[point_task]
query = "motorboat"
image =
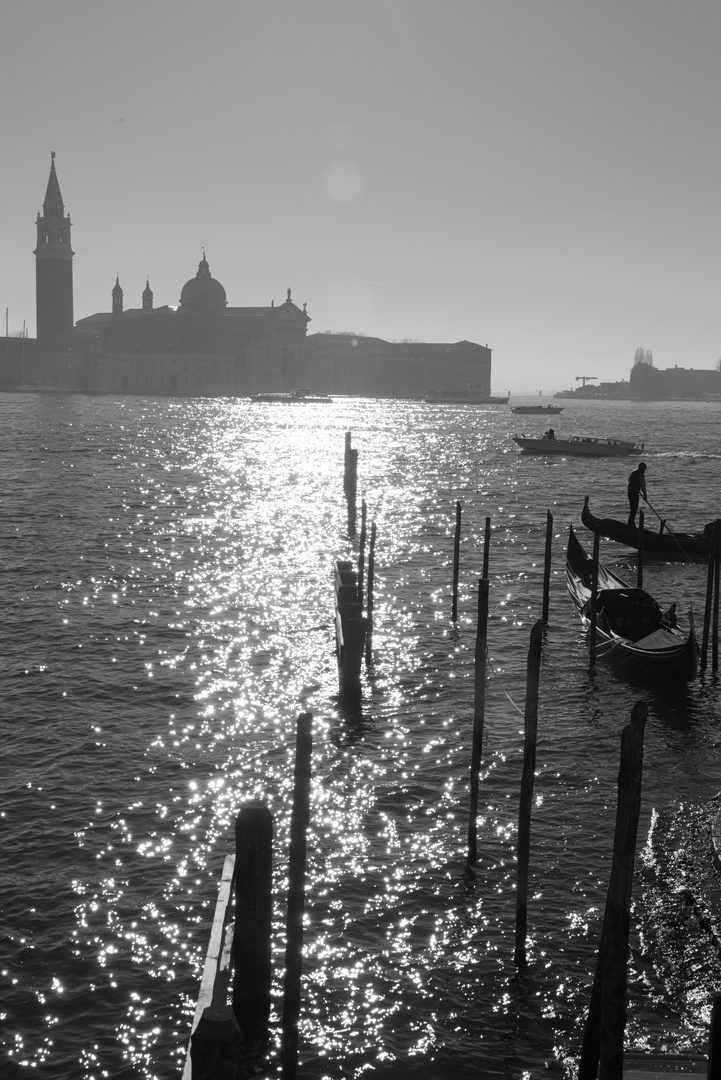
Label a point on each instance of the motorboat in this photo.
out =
(630, 626)
(293, 397)
(537, 410)
(579, 445)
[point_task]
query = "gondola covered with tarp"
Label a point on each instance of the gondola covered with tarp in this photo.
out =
(630, 625)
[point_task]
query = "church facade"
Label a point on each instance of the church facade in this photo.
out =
(204, 346)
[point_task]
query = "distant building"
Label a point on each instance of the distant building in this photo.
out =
(369, 366)
(202, 346)
(692, 383)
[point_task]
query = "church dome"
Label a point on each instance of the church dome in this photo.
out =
(203, 293)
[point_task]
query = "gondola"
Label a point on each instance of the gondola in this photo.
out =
(662, 545)
(630, 625)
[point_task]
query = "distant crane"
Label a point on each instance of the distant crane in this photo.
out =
(585, 378)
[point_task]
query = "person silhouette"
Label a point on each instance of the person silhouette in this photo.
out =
(636, 488)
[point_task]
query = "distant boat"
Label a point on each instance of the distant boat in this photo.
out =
(293, 397)
(462, 395)
(577, 445)
(537, 410)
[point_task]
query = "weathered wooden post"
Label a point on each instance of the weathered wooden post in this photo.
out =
(456, 562)
(346, 462)
(350, 628)
(524, 808)
(547, 566)
(639, 569)
(369, 594)
(717, 565)
(711, 610)
(594, 598)
(605, 1026)
(352, 491)
(479, 708)
(486, 546)
(362, 552)
(714, 1042)
(296, 895)
(253, 911)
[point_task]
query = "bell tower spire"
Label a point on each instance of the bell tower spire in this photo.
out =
(54, 268)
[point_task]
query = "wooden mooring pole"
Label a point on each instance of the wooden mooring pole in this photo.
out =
(350, 628)
(369, 594)
(639, 569)
(711, 610)
(362, 552)
(296, 896)
(253, 911)
(479, 708)
(714, 1041)
(456, 562)
(526, 801)
(352, 491)
(602, 1051)
(486, 546)
(594, 599)
(346, 462)
(547, 566)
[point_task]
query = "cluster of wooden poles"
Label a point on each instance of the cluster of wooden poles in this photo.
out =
(602, 1052)
(223, 1035)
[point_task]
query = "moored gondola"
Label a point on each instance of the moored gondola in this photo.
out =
(663, 545)
(630, 625)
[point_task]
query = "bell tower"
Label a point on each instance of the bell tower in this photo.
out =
(54, 268)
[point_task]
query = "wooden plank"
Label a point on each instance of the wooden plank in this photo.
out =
(216, 954)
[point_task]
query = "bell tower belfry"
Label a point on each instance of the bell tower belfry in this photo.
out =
(54, 268)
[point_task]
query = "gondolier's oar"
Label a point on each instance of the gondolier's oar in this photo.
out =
(672, 535)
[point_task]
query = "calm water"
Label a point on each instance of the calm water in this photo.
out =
(168, 613)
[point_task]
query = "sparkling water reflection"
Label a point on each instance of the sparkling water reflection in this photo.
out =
(169, 612)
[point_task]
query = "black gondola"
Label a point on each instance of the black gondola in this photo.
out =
(664, 545)
(630, 625)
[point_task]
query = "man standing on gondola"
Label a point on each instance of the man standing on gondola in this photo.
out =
(636, 488)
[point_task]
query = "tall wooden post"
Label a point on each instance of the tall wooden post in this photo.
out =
(605, 1026)
(346, 462)
(547, 566)
(714, 1042)
(526, 800)
(253, 911)
(717, 565)
(296, 896)
(369, 594)
(362, 552)
(639, 569)
(486, 546)
(712, 591)
(352, 490)
(594, 598)
(479, 708)
(456, 562)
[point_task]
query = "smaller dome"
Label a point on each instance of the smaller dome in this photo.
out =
(203, 293)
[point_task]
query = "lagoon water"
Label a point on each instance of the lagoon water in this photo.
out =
(167, 612)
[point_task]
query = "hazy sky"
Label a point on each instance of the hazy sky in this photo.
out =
(543, 177)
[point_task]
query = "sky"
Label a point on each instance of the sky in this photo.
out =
(539, 176)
